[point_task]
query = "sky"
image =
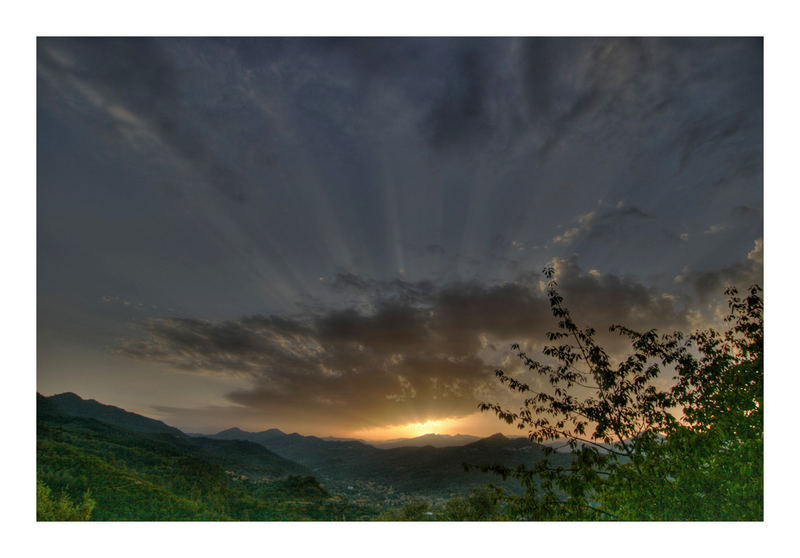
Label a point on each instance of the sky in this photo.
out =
(344, 236)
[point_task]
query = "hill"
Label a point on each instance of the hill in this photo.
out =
(73, 405)
(124, 457)
(160, 475)
(243, 457)
(413, 470)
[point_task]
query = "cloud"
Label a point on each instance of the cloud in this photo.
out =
(756, 255)
(741, 274)
(434, 249)
(609, 224)
(421, 353)
(462, 111)
(606, 87)
(600, 300)
(746, 211)
(568, 236)
(607, 79)
(136, 83)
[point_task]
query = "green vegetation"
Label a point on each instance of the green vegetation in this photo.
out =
(61, 508)
(381, 475)
(156, 477)
(482, 504)
(642, 447)
(693, 451)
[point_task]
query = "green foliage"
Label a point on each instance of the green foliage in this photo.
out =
(479, 505)
(416, 509)
(61, 508)
(306, 487)
(483, 504)
(135, 476)
(693, 451)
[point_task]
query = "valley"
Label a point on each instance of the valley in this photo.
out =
(134, 467)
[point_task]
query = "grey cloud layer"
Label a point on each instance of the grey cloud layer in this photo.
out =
(708, 284)
(135, 79)
(351, 153)
(362, 184)
(421, 353)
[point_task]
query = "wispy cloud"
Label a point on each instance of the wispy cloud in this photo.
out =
(135, 82)
(602, 224)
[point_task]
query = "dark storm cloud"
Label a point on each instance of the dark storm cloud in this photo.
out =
(406, 361)
(606, 299)
(137, 76)
(741, 274)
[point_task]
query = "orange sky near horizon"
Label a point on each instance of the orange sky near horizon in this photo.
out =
(476, 424)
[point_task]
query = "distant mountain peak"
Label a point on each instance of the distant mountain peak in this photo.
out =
(67, 395)
(274, 431)
(233, 430)
(495, 440)
(432, 439)
(237, 433)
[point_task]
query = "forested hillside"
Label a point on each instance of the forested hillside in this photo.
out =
(123, 466)
(132, 475)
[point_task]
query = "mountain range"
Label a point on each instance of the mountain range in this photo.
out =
(412, 466)
(435, 440)
(70, 413)
(135, 468)
(409, 468)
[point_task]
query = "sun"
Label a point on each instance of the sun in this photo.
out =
(410, 430)
(427, 427)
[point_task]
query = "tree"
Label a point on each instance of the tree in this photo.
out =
(642, 451)
(52, 508)
(415, 509)
(482, 504)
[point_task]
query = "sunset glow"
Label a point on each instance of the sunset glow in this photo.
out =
(221, 248)
(411, 430)
(477, 424)
(399, 279)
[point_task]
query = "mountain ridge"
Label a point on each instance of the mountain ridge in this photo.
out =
(71, 412)
(72, 404)
(409, 468)
(431, 439)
